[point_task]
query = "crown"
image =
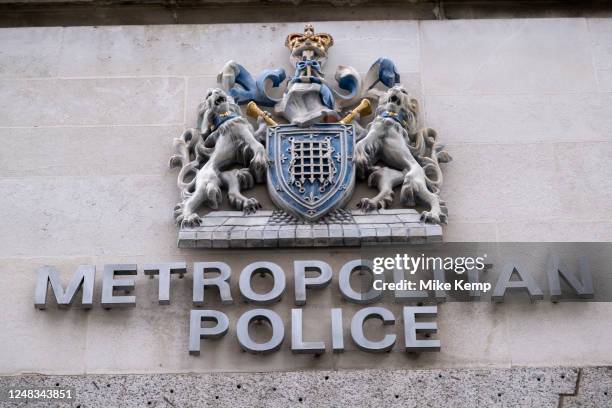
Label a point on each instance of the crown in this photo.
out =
(321, 40)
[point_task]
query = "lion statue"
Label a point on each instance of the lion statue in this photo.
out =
(392, 153)
(208, 156)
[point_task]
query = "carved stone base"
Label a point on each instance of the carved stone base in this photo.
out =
(277, 229)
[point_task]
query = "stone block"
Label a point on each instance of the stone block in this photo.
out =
(208, 221)
(303, 235)
(204, 236)
(166, 50)
(246, 221)
(604, 79)
(410, 217)
(351, 235)
(510, 166)
(399, 234)
(376, 219)
(254, 236)
(600, 30)
(550, 231)
(320, 235)
(367, 233)
(383, 233)
(187, 239)
(336, 235)
(87, 215)
(31, 52)
(433, 232)
(238, 237)
(286, 236)
(221, 236)
(511, 119)
(594, 389)
(530, 55)
(397, 211)
(54, 152)
(108, 101)
(270, 236)
(401, 39)
(417, 235)
(469, 388)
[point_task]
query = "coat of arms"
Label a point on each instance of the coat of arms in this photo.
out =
(315, 138)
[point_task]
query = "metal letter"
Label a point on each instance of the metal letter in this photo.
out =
(526, 282)
(348, 292)
(301, 281)
(405, 296)
(556, 269)
(164, 270)
(298, 345)
(475, 294)
(83, 279)
(262, 267)
(411, 327)
(337, 331)
(440, 275)
(242, 331)
(221, 281)
(357, 329)
(197, 332)
(110, 284)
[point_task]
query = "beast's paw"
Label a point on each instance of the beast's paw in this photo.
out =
(248, 205)
(367, 204)
(435, 217)
(378, 202)
(191, 221)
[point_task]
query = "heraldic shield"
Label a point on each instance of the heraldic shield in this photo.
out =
(311, 169)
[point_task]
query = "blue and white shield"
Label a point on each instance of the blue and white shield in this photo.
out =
(311, 170)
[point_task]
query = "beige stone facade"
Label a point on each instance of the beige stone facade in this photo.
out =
(87, 121)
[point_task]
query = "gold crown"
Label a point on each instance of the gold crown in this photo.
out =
(322, 40)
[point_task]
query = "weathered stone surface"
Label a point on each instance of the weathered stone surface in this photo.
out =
(600, 30)
(593, 390)
(539, 387)
(78, 190)
(510, 119)
(108, 101)
(86, 151)
(530, 55)
(30, 53)
(78, 216)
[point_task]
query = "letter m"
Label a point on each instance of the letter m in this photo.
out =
(83, 278)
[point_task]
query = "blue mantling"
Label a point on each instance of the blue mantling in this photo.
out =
(385, 72)
(255, 90)
(349, 83)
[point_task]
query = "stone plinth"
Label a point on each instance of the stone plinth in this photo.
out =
(274, 229)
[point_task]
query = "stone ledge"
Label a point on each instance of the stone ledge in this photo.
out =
(233, 229)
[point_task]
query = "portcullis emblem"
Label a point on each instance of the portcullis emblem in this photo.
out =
(311, 170)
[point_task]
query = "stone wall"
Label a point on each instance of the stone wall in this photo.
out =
(87, 120)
